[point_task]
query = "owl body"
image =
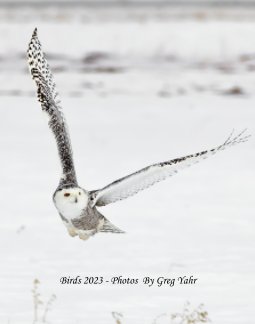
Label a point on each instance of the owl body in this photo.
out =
(76, 210)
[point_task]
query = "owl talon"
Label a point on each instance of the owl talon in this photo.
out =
(83, 236)
(72, 232)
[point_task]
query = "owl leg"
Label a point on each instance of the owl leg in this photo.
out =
(72, 232)
(86, 234)
(83, 236)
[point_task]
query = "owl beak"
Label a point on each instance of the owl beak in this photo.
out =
(76, 200)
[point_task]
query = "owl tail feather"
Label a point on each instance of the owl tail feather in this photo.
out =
(108, 227)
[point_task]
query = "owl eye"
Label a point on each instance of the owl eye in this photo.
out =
(67, 194)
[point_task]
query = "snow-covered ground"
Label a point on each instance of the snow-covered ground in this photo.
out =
(133, 93)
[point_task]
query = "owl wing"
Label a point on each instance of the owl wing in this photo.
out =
(144, 178)
(50, 103)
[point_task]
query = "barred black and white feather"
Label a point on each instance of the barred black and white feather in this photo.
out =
(50, 103)
(108, 227)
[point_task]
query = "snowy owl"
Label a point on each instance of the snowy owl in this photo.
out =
(77, 207)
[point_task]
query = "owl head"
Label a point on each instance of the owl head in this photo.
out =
(70, 201)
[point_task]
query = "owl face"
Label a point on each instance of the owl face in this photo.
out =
(70, 201)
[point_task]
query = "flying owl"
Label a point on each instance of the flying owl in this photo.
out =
(76, 206)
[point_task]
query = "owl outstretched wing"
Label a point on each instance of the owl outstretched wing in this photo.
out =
(50, 103)
(144, 178)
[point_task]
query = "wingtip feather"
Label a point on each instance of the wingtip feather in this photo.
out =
(34, 32)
